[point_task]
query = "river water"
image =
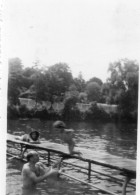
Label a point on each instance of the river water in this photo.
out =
(105, 138)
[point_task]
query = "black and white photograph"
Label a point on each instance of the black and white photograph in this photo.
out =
(71, 91)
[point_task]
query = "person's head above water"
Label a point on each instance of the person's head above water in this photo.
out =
(32, 156)
(34, 135)
(59, 125)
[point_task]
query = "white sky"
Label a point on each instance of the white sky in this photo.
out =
(86, 34)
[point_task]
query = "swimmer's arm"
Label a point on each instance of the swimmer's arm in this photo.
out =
(27, 139)
(36, 179)
(34, 142)
(22, 138)
(40, 164)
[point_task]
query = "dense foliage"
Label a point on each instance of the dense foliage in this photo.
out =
(56, 84)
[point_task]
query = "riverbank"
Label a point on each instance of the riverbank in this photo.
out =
(68, 113)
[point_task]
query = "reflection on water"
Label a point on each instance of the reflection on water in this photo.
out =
(13, 178)
(31, 192)
(118, 139)
(109, 138)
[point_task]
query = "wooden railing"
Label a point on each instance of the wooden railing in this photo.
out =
(124, 171)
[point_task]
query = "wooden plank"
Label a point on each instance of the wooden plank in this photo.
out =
(110, 161)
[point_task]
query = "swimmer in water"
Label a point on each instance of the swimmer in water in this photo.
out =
(66, 136)
(32, 137)
(34, 172)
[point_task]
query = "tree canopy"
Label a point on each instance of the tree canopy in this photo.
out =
(56, 83)
(123, 84)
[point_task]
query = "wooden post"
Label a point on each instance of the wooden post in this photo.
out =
(49, 160)
(89, 170)
(127, 179)
(21, 148)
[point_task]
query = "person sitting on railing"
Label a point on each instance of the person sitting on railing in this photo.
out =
(34, 171)
(66, 135)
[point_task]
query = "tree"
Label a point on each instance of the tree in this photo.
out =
(83, 97)
(95, 79)
(105, 93)
(80, 83)
(59, 78)
(15, 65)
(123, 82)
(39, 85)
(15, 79)
(93, 91)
